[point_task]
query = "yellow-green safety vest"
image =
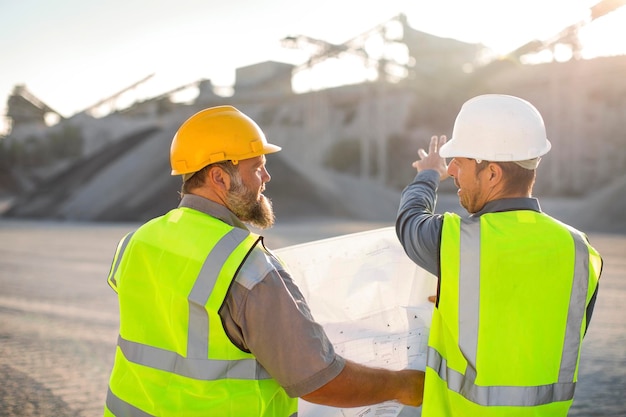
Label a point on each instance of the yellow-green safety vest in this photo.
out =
(506, 334)
(173, 356)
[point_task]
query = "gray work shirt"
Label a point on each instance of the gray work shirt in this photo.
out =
(265, 314)
(419, 228)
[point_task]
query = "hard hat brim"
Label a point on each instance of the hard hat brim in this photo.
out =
(270, 148)
(450, 150)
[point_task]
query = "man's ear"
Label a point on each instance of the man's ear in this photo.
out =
(218, 178)
(495, 173)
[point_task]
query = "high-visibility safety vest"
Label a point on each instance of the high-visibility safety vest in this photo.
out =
(173, 356)
(506, 333)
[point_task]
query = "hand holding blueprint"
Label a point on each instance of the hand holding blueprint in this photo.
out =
(372, 301)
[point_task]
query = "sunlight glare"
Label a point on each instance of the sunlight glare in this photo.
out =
(606, 36)
(332, 73)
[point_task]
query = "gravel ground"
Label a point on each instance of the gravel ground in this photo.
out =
(58, 317)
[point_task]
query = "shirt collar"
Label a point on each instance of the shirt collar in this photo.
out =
(211, 208)
(509, 204)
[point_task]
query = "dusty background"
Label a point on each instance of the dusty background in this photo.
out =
(66, 189)
(58, 317)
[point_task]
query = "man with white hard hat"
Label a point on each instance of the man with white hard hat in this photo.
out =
(516, 287)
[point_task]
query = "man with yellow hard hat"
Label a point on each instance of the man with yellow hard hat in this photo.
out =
(211, 323)
(516, 287)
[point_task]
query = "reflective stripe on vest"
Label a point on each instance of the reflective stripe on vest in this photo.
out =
(197, 368)
(116, 262)
(469, 286)
(122, 408)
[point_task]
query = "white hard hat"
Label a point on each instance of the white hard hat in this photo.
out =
(496, 127)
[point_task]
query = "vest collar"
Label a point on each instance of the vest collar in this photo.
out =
(509, 204)
(211, 208)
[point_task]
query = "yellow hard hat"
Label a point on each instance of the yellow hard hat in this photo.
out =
(220, 133)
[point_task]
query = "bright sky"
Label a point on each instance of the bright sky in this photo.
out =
(73, 53)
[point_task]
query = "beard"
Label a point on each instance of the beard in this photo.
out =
(249, 208)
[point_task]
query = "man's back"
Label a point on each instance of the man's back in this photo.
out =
(511, 306)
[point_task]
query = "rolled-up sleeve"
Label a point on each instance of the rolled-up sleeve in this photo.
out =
(417, 226)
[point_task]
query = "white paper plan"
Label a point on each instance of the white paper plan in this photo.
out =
(372, 301)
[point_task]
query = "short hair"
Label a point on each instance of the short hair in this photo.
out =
(197, 180)
(517, 179)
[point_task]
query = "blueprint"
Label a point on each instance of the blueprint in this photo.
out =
(372, 301)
